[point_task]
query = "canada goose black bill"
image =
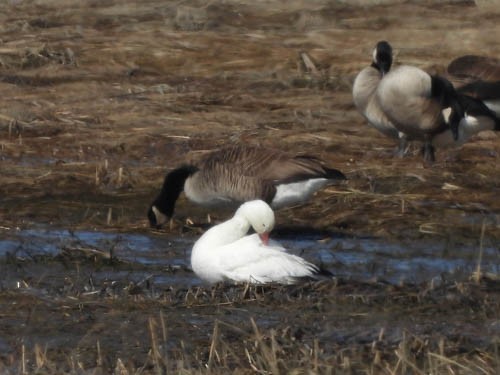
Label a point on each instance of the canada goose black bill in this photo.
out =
(233, 175)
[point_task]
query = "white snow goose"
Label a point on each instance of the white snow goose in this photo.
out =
(226, 253)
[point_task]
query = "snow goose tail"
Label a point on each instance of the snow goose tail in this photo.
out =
(227, 253)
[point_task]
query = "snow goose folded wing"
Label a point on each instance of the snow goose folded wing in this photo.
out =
(226, 253)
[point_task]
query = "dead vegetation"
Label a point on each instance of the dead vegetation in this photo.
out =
(227, 329)
(101, 98)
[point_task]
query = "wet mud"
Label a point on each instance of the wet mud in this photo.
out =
(101, 99)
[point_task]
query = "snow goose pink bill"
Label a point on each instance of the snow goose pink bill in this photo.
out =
(227, 253)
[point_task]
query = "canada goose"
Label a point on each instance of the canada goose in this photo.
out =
(405, 103)
(226, 253)
(363, 93)
(236, 174)
(477, 117)
(479, 77)
(413, 101)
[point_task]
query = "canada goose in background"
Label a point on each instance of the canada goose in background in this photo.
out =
(409, 105)
(363, 93)
(226, 253)
(477, 117)
(477, 96)
(237, 174)
(414, 100)
(479, 77)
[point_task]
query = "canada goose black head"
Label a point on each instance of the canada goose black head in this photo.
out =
(382, 57)
(163, 206)
(443, 90)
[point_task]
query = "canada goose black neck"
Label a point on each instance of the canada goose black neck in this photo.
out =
(382, 57)
(172, 187)
(334, 174)
(443, 90)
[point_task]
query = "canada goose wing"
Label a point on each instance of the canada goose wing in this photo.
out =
(472, 68)
(482, 90)
(242, 173)
(266, 164)
(234, 173)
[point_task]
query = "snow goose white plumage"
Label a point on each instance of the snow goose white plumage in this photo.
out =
(226, 253)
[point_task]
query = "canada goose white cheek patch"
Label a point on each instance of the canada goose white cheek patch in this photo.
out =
(160, 217)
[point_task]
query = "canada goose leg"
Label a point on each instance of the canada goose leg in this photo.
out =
(403, 143)
(428, 151)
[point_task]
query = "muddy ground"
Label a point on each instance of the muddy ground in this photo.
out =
(99, 99)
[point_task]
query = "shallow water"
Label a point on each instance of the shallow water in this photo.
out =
(361, 259)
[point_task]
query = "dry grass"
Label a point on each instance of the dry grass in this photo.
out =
(101, 98)
(294, 345)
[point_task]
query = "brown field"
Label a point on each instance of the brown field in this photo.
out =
(100, 98)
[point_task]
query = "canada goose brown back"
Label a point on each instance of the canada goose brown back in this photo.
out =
(473, 68)
(479, 77)
(233, 175)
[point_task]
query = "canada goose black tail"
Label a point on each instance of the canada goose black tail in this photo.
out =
(443, 90)
(475, 107)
